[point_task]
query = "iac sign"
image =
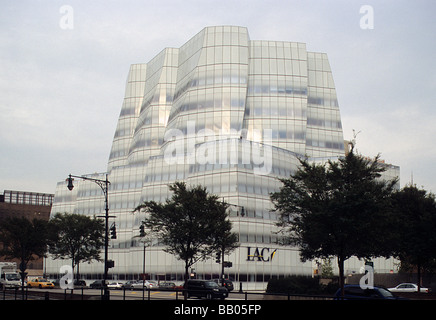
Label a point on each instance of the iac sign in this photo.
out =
(263, 255)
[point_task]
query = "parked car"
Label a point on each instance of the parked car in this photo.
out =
(133, 284)
(227, 284)
(140, 285)
(97, 284)
(179, 286)
(408, 287)
(355, 292)
(150, 284)
(78, 283)
(40, 283)
(115, 285)
(167, 286)
(56, 283)
(205, 288)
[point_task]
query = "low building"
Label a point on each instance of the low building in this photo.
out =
(29, 205)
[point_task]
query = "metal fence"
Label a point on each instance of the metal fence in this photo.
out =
(85, 293)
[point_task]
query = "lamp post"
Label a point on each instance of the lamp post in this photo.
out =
(142, 235)
(104, 185)
(146, 241)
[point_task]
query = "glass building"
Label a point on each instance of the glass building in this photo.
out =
(226, 112)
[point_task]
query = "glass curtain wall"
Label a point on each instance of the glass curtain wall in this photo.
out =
(226, 112)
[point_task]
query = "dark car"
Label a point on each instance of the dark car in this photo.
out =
(356, 292)
(56, 283)
(79, 283)
(227, 284)
(208, 289)
(97, 284)
(167, 286)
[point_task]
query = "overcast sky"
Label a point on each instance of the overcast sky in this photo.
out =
(61, 89)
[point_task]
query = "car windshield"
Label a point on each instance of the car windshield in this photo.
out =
(211, 284)
(385, 293)
(12, 277)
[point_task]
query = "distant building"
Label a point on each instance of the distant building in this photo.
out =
(25, 204)
(29, 205)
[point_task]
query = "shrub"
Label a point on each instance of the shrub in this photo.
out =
(299, 285)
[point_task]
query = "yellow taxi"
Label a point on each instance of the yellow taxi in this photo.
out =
(40, 283)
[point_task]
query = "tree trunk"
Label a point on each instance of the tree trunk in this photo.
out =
(78, 273)
(72, 268)
(341, 274)
(185, 294)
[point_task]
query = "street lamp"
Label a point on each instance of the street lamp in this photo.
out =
(104, 185)
(146, 241)
(220, 254)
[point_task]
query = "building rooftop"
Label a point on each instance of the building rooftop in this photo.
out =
(29, 198)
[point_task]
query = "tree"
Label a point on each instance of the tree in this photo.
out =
(415, 210)
(338, 209)
(225, 241)
(77, 237)
(192, 224)
(24, 239)
(326, 268)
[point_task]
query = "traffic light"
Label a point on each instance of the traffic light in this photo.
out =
(110, 264)
(141, 230)
(218, 257)
(113, 230)
(70, 183)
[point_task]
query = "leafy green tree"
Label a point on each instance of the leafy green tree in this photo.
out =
(416, 228)
(326, 268)
(192, 224)
(76, 237)
(337, 209)
(24, 239)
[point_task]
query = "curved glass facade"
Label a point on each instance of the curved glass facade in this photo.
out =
(226, 112)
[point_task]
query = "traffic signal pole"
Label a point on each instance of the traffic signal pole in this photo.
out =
(222, 266)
